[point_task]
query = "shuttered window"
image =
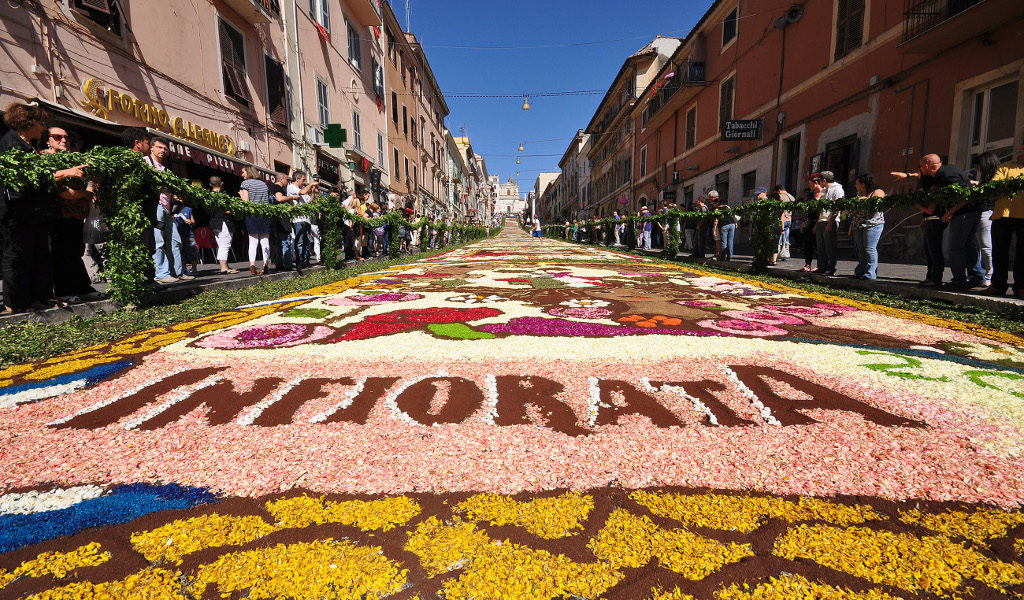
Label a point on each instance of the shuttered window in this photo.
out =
(849, 26)
(725, 100)
(691, 128)
(232, 51)
(277, 96)
(105, 13)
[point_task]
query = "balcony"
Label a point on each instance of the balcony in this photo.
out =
(366, 12)
(690, 74)
(933, 25)
(256, 12)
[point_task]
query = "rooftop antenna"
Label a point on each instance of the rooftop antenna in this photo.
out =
(408, 13)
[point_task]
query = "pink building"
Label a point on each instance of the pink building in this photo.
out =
(229, 82)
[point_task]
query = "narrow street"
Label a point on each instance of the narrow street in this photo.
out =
(522, 418)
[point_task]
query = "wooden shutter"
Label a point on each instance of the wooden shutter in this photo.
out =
(277, 104)
(233, 64)
(849, 26)
(102, 6)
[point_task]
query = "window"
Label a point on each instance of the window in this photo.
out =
(407, 169)
(104, 13)
(645, 116)
(722, 186)
(405, 120)
(322, 109)
(791, 162)
(391, 47)
(277, 96)
(415, 176)
(378, 78)
(321, 13)
(688, 198)
(849, 26)
(994, 119)
(398, 172)
(394, 107)
(725, 100)
(357, 131)
(355, 51)
(643, 161)
(232, 56)
(691, 128)
(749, 182)
(380, 149)
(729, 26)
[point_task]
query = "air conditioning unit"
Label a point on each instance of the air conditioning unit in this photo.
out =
(675, 176)
(243, 146)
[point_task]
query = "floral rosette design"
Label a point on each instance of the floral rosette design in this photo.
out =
(277, 335)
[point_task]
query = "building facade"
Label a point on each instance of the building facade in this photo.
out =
(240, 98)
(757, 95)
(612, 149)
(509, 200)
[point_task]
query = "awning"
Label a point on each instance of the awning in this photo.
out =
(81, 117)
(189, 152)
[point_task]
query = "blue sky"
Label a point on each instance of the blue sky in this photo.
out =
(584, 45)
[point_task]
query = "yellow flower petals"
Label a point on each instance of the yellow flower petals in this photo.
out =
(549, 518)
(306, 571)
(935, 563)
(795, 587)
(148, 584)
(502, 569)
(381, 515)
(171, 542)
(675, 594)
(631, 541)
(979, 526)
(745, 513)
(57, 564)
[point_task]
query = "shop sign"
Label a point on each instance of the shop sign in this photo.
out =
(327, 167)
(199, 156)
(102, 101)
(745, 129)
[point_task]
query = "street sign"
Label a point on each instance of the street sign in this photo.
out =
(745, 129)
(335, 135)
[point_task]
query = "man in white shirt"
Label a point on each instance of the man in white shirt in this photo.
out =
(301, 190)
(167, 257)
(827, 228)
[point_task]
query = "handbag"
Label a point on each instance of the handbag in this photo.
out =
(784, 250)
(95, 230)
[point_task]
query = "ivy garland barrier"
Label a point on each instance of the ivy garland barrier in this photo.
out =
(765, 215)
(126, 179)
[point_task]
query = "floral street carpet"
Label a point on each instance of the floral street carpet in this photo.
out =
(516, 419)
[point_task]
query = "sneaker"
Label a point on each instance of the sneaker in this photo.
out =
(167, 280)
(193, 272)
(992, 290)
(186, 277)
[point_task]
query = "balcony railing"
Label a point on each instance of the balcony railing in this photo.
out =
(920, 16)
(256, 12)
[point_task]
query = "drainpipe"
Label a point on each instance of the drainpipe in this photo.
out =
(298, 154)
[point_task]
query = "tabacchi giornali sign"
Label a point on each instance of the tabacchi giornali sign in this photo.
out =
(102, 101)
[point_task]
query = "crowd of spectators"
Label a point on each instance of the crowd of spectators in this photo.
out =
(970, 242)
(53, 237)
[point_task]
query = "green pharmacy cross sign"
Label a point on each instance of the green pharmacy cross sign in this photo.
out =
(335, 136)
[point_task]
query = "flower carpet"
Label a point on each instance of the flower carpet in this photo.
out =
(522, 418)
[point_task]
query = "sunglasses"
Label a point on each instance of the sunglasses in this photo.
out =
(58, 137)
